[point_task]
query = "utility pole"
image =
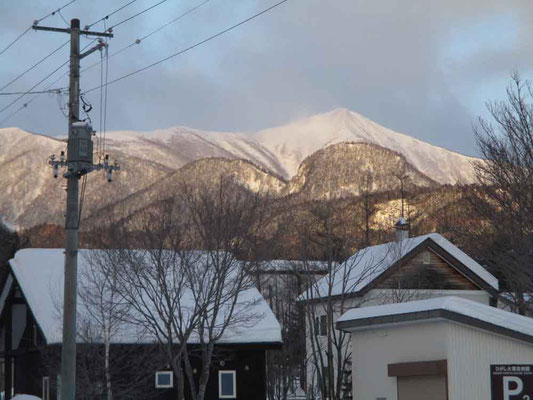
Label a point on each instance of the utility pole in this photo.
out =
(78, 163)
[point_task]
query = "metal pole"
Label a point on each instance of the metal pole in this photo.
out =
(68, 353)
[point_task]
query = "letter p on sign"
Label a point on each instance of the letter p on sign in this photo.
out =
(512, 385)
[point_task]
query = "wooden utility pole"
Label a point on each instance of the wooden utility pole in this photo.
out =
(78, 163)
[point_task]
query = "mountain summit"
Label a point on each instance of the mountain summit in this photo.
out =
(293, 142)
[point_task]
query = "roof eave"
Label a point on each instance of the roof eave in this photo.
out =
(420, 316)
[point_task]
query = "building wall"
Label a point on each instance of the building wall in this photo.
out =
(471, 352)
(379, 297)
(374, 349)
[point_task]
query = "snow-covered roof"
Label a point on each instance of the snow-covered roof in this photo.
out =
(475, 313)
(273, 266)
(39, 273)
(367, 264)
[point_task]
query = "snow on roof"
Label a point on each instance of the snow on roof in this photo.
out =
(367, 264)
(39, 273)
(271, 266)
(458, 305)
(25, 397)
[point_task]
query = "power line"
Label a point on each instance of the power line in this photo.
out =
(34, 86)
(33, 66)
(54, 12)
(191, 47)
(13, 113)
(135, 15)
(29, 91)
(57, 90)
(142, 38)
(15, 41)
(25, 105)
(63, 18)
(35, 23)
(110, 14)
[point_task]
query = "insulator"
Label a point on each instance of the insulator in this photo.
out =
(109, 175)
(106, 161)
(56, 170)
(62, 156)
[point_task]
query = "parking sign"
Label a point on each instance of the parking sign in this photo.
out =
(511, 382)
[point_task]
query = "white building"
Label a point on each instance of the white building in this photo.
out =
(407, 269)
(445, 348)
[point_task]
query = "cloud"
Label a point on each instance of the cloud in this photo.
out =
(422, 68)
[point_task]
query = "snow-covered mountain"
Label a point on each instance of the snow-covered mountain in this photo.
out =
(293, 142)
(282, 149)
(323, 156)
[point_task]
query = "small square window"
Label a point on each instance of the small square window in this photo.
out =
(164, 379)
(227, 384)
(426, 258)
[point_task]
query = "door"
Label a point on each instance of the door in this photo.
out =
(422, 388)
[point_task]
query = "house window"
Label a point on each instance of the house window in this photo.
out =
(164, 379)
(227, 384)
(426, 257)
(321, 325)
(46, 388)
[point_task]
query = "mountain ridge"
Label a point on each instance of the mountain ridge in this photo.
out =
(268, 161)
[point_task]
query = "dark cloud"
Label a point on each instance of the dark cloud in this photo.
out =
(422, 68)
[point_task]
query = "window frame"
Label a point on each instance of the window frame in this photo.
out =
(226, 396)
(321, 325)
(170, 385)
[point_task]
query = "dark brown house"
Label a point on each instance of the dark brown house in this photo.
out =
(30, 342)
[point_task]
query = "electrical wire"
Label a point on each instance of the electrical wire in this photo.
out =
(56, 90)
(63, 18)
(23, 94)
(143, 38)
(13, 113)
(25, 105)
(34, 86)
(35, 23)
(191, 47)
(101, 120)
(34, 66)
(110, 29)
(105, 100)
(55, 11)
(15, 41)
(112, 13)
(82, 197)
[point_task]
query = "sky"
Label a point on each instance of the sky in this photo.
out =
(421, 67)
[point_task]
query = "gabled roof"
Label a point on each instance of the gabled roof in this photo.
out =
(39, 272)
(452, 308)
(368, 264)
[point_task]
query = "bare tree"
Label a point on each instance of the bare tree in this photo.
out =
(282, 282)
(188, 299)
(328, 349)
(103, 319)
(368, 205)
(10, 242)
(498, 214)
